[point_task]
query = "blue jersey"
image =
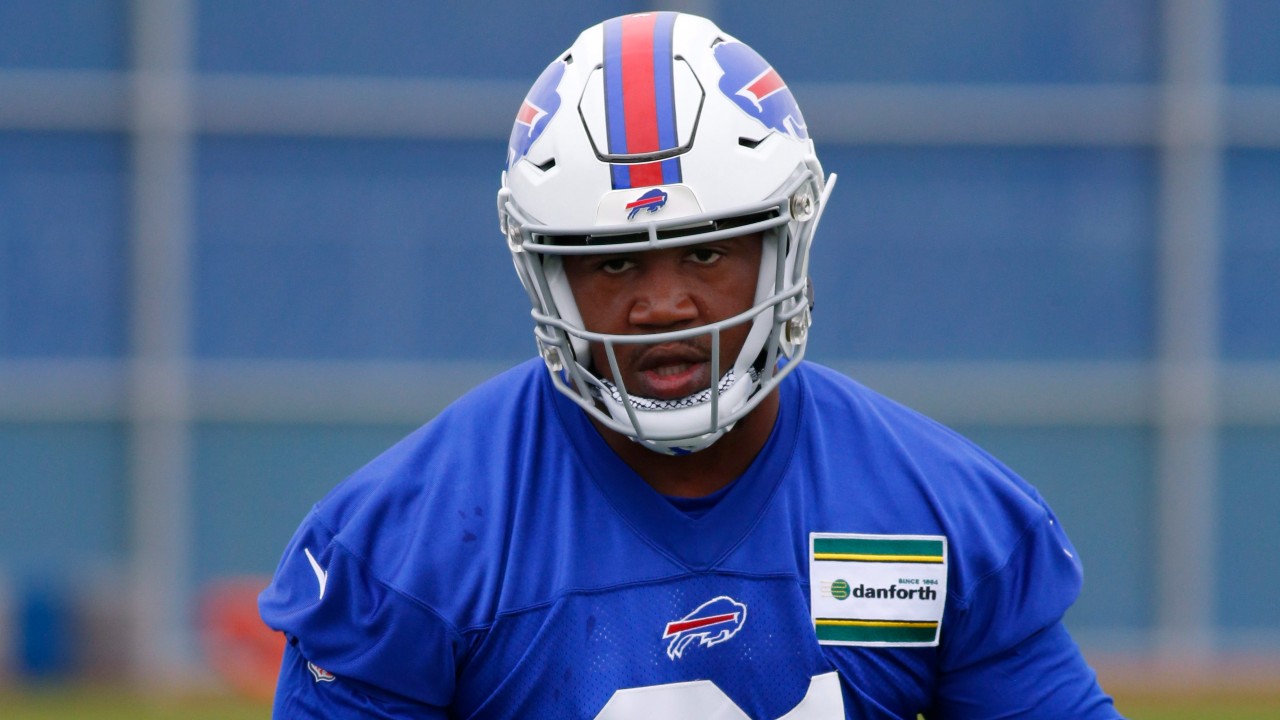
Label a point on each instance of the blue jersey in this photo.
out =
(503, 562)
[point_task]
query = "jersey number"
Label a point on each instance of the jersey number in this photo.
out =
(702, 699)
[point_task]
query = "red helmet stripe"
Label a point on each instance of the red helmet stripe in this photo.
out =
(637, 83)
(639, 102)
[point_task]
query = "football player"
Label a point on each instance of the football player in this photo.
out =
(669, 513)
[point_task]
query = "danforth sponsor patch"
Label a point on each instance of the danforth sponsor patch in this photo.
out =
(877, 590)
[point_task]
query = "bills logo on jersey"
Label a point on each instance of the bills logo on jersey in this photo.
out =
(712, 623)
(650, 202)
(754, 86)
(539, 106)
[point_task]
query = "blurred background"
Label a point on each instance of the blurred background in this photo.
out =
(245, 245)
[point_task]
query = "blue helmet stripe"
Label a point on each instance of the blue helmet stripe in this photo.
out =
(664, 89)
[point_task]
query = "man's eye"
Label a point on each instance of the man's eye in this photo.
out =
(704, 256)
(613, 266)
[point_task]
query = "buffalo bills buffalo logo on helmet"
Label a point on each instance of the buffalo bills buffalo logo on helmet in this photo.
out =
(757, 88)
(651, 202)
(539, 106)
(712, 623)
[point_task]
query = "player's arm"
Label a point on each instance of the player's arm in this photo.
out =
(1044, 677)
(306, 691)
(357, 646)
(1007, 654)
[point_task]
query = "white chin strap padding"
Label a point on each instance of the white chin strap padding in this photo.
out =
(688, 418)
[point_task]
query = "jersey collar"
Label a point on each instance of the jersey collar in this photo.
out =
(696, 542)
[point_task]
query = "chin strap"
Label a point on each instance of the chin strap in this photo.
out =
(645, 403)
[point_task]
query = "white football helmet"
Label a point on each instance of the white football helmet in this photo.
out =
(659, 130)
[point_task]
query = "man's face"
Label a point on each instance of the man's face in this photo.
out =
(662, 291)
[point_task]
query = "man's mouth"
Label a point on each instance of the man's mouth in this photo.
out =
(671, 370)
(667, 381)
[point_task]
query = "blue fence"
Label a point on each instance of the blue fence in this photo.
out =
(1008, 180)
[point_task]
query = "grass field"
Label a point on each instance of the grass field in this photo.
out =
(97, 703)
(80, 703)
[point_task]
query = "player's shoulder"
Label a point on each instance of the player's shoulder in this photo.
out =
(919, 476)
(926, 455)
(838, 400)
(407, 542)
(504, 401)
(837, 394)
(485, 423)
(442, 491)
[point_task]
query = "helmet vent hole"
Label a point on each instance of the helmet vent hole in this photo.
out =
(544, 167)
(567, 59)
(750, 143)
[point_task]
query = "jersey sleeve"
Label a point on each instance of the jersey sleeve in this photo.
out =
(343, 620)
(1005, 652)
(1044, 677)
(305, 691)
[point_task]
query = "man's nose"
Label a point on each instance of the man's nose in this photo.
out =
(663, 299)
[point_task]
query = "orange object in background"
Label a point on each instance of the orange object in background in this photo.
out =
(239, 647)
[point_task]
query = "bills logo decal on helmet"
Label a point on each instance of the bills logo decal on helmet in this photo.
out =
(753, 85)
(640, 97)
(539, 106)
(712, 623)
(651, 202)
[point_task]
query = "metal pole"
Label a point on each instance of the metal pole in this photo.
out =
(159, 401)
(1187, 330)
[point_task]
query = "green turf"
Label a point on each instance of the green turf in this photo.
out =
(1202, 709)
(57, 703)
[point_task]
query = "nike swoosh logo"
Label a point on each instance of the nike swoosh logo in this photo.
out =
(321, 575)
